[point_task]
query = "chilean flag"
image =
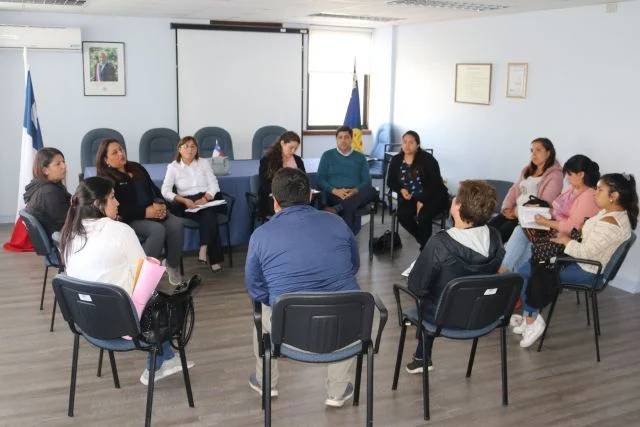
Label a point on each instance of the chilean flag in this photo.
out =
(31, 143)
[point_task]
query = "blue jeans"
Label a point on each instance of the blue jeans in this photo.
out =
(167, 353)
(572, 273)
(518, 250)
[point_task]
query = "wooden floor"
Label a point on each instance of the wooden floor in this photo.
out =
(561, 386)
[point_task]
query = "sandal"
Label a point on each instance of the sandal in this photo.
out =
(202, 261)
(217, 269)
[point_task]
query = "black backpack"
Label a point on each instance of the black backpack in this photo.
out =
(382, 244)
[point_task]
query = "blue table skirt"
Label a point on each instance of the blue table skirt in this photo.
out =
(235, 183)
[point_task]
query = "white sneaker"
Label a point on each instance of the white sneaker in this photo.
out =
(533, 332)
(175, 278)
(169, 367)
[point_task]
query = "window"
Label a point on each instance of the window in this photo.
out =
(330, 75)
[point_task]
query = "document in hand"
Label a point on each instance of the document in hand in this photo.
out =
(527, 216)
(206, 205)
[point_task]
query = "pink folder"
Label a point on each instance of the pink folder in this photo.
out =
(146, 281)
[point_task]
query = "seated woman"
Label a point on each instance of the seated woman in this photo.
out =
(468, 248)
(280, 155)
(601, 235)
(569, 210)
(142, 206)
(415, 176)
(46, 196)
(97, 248)
(195, 184)
(541, 178)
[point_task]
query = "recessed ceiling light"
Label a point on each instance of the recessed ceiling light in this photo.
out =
(445, 4)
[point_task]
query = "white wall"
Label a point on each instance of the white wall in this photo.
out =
(65, 113)
(582, 93)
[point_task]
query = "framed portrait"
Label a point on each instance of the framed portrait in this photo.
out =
(473, 83)
(517, 79)
(103, 68)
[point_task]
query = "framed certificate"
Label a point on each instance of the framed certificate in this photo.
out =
(473, 83)
(517, 79)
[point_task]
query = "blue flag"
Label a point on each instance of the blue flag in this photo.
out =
(352, 118)
(31, 124)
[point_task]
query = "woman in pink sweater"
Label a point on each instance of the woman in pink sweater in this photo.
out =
(542, 178)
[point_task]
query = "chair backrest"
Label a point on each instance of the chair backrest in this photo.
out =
(502, 188)
(383, 136)
(263, 139)
(91, 141)
(322, 322)
(207, 138)
(99, 310)
(40, 240)
(617, 259)
(158, 145)
(478, 302)
(254, 184)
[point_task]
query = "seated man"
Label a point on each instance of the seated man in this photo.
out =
(344, 175)
(300, 249)
(470, 247)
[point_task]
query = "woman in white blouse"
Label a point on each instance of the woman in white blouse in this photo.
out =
(190, 183)
(617, 198)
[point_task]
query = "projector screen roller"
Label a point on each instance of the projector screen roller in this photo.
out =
(239, 81)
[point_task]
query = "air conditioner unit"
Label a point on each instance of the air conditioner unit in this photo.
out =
(40, 37)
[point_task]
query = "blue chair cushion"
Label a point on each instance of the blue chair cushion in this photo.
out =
(304, 356)
(457, 334)
(118, 344)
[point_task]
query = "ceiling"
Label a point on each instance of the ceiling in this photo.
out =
(298, 11)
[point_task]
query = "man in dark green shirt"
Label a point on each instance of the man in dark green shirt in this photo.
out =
(344, 176)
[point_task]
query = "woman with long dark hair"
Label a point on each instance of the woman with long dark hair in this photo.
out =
(414, 174)
(281, 154)
(142, 206)
(46, 196)
(95, 247)
(190, 182)
(617, 198)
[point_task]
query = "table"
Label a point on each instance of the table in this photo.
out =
(235, 183)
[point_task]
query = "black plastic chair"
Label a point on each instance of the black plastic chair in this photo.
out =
(469, 308)
(158, 145)
(90, 143)
(224, 219)
(44, 247)
(601, 281)
(264, 138)
(502, 188)
(321, 328)
(253, 201)
(103, 314)
(376, 157)
(207, 137)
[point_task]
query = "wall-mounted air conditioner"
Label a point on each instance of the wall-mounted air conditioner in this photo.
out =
(40, 37)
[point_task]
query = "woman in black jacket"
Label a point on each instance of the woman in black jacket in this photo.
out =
(46, 196)
(415, 176)
(279, 155)
(142, 206)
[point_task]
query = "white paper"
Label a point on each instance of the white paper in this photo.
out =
(206, 205)
(527, 216)
(408, 270)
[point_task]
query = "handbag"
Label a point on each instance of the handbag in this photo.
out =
(543, 283)
(170, 315)
(382, 244)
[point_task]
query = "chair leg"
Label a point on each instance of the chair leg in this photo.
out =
(396, 372)
(425, 377)
(356, 391)
(596, 311)
(181, 266)
(114, 369)
(53, 313)
(266, 384)
(185, 375)
(152, 378)
(503, 355)
(595, 324)
(370, 385)
(578, 297)
(393, 237)
(44, 286)
(229, 245)
(472, 357)
(371, 225)
(99, 373)
(546, 326)
(74, 372)
(586, 303)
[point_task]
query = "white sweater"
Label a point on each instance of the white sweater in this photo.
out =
(600, 239)
(110, 253)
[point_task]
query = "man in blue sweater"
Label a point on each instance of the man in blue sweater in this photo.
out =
(300, 249)
(344, 175)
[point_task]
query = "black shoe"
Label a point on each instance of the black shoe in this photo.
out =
(415, 366)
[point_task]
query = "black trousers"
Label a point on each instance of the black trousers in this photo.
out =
(347, 208)
(420, 225)
(504, 225)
